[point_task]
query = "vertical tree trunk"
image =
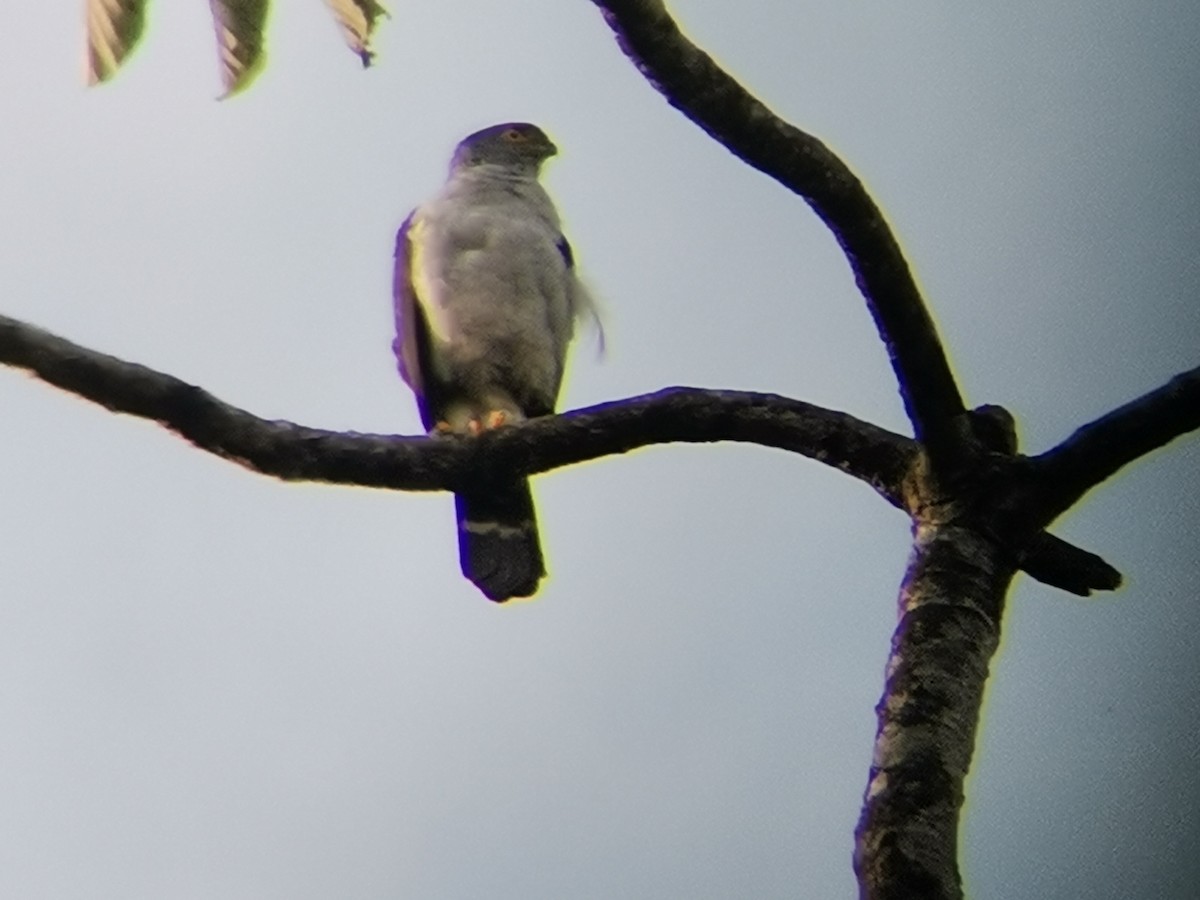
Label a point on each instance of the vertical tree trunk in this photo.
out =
(950, 607)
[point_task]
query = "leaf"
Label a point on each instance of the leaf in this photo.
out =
(113, 29)
(358, 19)
(239, 25)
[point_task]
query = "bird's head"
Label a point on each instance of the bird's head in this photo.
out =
(516, 145)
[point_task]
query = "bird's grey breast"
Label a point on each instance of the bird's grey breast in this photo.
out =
(496, 285)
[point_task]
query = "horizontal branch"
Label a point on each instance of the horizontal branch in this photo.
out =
(1098, 450)
(295, 452)
(693, 83)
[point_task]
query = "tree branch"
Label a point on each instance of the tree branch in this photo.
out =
(951, 602)
(694, 84)
(1051, 560)
(976, 504)
(294, 452)
(1098, 450)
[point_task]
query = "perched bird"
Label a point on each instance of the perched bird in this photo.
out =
(486, 299)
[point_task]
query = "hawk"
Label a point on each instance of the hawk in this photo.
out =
(486, 300)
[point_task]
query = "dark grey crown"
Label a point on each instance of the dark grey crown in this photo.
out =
(518, 145)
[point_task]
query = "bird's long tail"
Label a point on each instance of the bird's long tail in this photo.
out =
(498, 544)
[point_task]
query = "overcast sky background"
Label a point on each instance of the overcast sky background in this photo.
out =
(214, 685)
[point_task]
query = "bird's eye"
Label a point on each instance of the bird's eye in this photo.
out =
(513, 135)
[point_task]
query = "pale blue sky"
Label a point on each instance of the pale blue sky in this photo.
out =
(213, 685)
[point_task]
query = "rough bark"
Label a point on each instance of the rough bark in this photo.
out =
(880, 458)
(1098, 450)
(950, 610)
(979, 509)
(695, 85)
(298, 453)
